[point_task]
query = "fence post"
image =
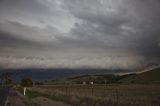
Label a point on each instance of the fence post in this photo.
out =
(24, 91)
(66, 89)
(117, 97)
(92, 88)
(105, 90)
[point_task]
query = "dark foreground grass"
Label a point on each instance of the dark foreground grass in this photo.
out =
(78, 100)
(73, 100)
(132, 94)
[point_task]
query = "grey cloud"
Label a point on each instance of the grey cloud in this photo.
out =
(22, 7)
(124, 24)
(36, 13)
(30, 33)
(81, 33)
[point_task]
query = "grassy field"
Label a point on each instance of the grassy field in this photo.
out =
(140, 89)
(115, 94)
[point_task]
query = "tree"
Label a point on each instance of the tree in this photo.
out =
(6, 78)
(26, 82)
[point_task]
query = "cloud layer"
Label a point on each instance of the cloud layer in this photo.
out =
(79, 33)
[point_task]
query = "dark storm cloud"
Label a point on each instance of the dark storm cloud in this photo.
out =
(29, 33)
(80, 33)
(125, 24)
(8, 41)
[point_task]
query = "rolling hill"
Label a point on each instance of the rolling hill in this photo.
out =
(149, 76)
(98, 79)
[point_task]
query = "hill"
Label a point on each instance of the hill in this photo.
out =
(151, 76)
(54, 74)
(98, 79)
(148, 75)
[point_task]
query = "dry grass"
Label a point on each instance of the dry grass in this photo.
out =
(110, 95)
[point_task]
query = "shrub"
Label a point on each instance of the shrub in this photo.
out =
(26, 82)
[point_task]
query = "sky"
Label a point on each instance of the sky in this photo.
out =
(107, 34)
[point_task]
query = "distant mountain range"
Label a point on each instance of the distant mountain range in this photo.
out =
(60, 74)
(57, 74)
